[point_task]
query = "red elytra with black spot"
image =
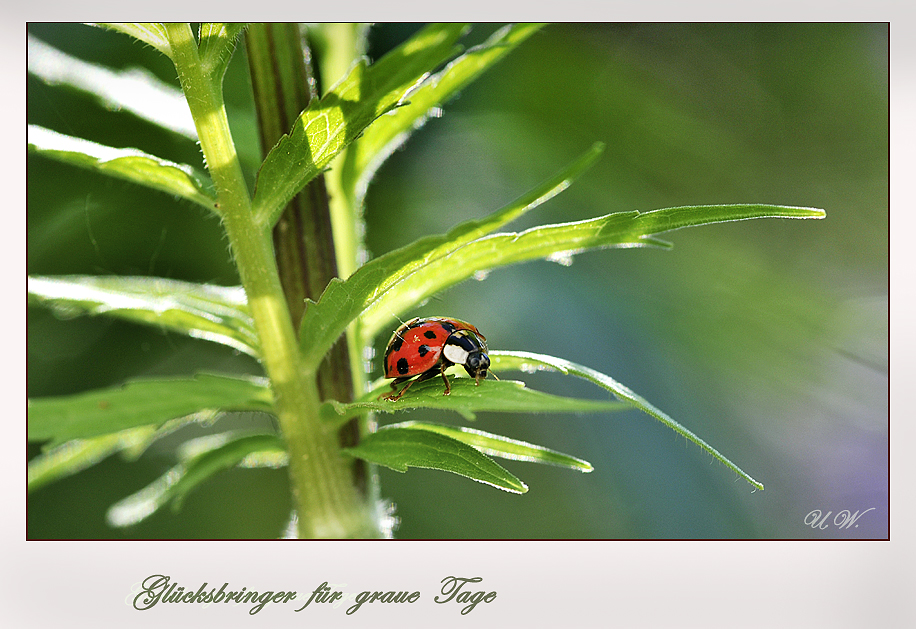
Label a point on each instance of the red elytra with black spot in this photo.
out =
(416, 349)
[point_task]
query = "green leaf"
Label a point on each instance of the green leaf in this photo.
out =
(131, 164)
(383, 136)
(497, 445)
(344, 300)
(529, 362)
(204, 311)
(557, 243)
(467, 398)
(209, 456)
(135, 90)
(148, 402)
(152, 33)
(400, 448)
(330, 124)
(79, 454)
(222, 452)
(216, 43)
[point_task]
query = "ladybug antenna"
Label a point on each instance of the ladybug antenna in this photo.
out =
(401, 321)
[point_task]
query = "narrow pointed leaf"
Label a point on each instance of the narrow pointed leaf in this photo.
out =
(344, 300)
(528, 362)
(222, 452)
(330, 124)
(134, 90)
(205, 311)
(148, 402)
(152, 33)
(400, 448)
(141, 505)
(467, 398)
(497, 445)
(388, 132)
(79, 454)
(132, 165)
(555, 242)
(76, 455)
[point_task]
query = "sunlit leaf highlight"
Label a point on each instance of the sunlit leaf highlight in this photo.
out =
(399, 448)
(148, 402)
(529, 362)
(131, 165)
(467, 398)
(199, 463)
(497, 445)
(204, 311)
(134, 90)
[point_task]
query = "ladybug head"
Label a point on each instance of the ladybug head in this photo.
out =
(477, 365)
(468, 350)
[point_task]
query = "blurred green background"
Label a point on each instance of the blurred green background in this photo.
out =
(769, 339)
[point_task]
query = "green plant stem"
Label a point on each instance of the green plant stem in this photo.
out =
(328, 504)
(283, 85)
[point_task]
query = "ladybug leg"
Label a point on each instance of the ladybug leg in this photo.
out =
(448, 387)
(426, 375)
(395, 395)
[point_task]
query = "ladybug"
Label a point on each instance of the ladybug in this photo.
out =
(427, 346)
